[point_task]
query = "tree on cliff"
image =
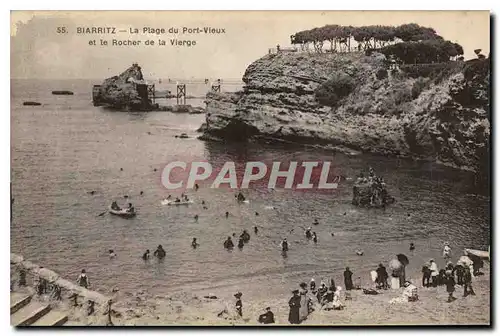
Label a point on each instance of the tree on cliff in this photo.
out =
(330, 93)
(427, 51)
(367, 37)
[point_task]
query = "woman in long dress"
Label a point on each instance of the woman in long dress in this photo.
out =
(294, 304)
(304, 302)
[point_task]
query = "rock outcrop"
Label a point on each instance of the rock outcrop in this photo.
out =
(371, 195)
(127, 91)
(442, 117)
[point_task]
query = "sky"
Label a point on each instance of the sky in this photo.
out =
(38, 51)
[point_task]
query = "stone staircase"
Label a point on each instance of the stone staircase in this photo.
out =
(27, 312)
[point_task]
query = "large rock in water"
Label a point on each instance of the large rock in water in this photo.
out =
(127, 91)
(441, 117)
(370, 195)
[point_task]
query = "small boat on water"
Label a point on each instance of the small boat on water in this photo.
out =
(125, 213)
(62, 92)
(169, 202)
(31, 103)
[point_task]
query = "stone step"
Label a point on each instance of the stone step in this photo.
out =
(29, 314)
(52, 319)
(18, 301)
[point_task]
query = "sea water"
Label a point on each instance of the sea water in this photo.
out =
(66, 148)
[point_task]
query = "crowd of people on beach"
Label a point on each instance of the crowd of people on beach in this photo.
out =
(327, 296)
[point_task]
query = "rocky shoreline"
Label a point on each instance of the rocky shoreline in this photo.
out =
(442, 117)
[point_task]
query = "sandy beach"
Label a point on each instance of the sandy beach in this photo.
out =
(193, 309)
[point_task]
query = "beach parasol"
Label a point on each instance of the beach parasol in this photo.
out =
(395, 264)
(403, 259)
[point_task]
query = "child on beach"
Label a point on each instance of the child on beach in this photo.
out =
(239, 304)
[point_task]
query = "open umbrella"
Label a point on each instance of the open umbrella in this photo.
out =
(403, 259)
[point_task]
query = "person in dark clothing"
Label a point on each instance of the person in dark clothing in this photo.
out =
(284, 245)
(228, 243)
(83, 280)
(308, 233)
(426, 276)
(468, 282)
(145, 256)
(332, 284)
(477, 264)
(245, 236)
(194, 243)
(382, 277)
(348, 279)
(450, 285)
(160, 252)
(412, 246)
(239, 304)
(240, 197)
(241, 243)
(441, 277)
(315, 237)
(227, 214)
(321, 292)
(267, 317)
(459, 272)
(255, 229)
(294, 304)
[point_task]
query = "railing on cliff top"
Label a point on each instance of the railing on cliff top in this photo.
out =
(45, 281)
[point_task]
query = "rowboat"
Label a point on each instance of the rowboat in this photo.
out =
(122, 213)
(169, 202)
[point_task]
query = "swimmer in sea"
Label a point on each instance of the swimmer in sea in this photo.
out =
(145, 256)
(315, 221)
(227, 214)
(196, 217)
(194, 243)
(256, 229)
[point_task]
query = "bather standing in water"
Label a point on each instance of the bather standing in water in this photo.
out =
(160, 252)
(284, 245)
(145, 256)
(308, 233)
(83, 280)
(228, 243)
(194, 243)
(241, 243)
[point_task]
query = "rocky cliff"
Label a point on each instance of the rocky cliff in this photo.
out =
(440, 115)
(127, 91)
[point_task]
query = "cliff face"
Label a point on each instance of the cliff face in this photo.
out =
(122, 92)
(442, 117)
